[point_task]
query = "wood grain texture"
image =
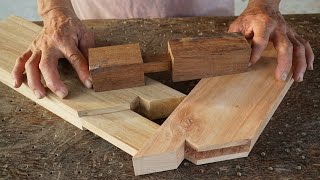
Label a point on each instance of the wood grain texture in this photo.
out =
(126, 129)
(196, 58)
(116, 67)
(219, 113)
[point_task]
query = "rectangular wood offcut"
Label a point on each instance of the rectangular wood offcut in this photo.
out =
(220, 119)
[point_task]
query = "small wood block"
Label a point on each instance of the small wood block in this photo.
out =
(116, 67)
(196, 58)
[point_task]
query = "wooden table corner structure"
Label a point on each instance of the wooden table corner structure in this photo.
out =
(220, 119)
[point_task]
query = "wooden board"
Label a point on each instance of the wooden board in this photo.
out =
(126, 129)
(85, 108)
(220, 113)
(196, 58)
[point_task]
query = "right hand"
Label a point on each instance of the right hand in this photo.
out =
(63, 36)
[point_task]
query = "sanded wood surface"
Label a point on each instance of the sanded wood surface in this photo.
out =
(196, 58)
(219, 113)
(126, 129)
(36, 144)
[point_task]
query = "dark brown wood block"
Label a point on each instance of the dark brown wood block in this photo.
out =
(116, 67)
(196, 58)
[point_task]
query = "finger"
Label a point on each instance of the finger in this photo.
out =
(284, 48)
(86, 42)
(33, 75)
(234, 27)
(19, 68)
(259, 43)
(298, 59)
(48, 67)
(309, 52)
(79, 63)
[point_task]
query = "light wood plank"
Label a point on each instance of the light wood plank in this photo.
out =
(16, 34)
(126, 129)
(220, 112)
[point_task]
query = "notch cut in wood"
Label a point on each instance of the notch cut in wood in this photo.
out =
(116, 67)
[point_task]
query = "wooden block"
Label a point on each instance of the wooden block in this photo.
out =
(220, 113)
(196, 58)
(116, 67)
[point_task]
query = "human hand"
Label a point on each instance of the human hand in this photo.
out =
(63, 36)
(263, 22)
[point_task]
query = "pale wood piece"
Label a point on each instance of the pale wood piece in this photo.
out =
(196, 58)
(116, 67)
(126, 129)
(219, 113)
(16, 35)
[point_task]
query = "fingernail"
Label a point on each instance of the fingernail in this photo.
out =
(250, 64)
(310, 67)
(14, 84)
(88, 83)
(300, 78)
(284, 76)
(62, 93)
(37, 94)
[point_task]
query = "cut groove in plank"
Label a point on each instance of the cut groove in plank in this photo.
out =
(216, 155)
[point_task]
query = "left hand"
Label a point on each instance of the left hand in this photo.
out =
(264, 23)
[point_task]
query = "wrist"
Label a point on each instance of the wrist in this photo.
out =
(270, 6)
(58, 15)
(58, 11)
